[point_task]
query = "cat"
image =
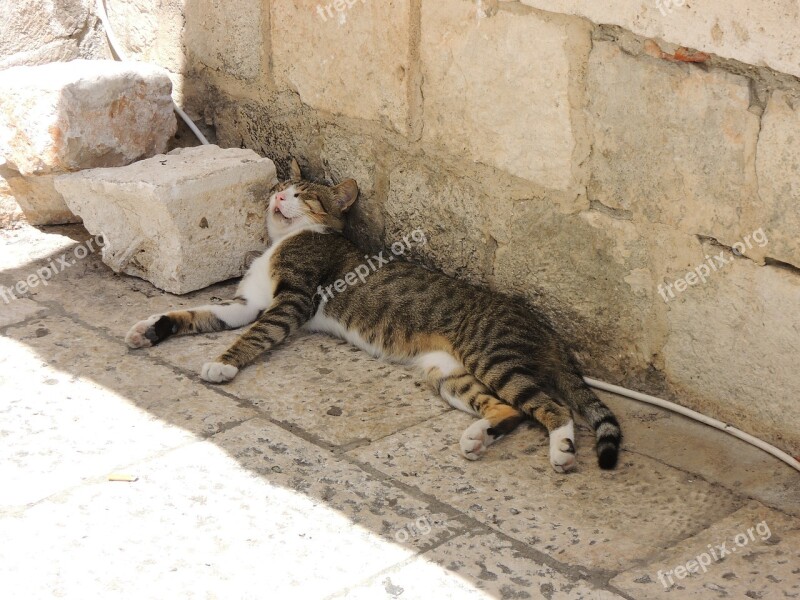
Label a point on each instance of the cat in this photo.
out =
(484, 353)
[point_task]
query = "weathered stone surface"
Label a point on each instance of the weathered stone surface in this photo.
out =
(36, 32)
(778, 167)
(715, 456)
(322, 390)
(182, 221)
(762, 556)
(478, 567)
(347, 156)
(721, 342)
(571, 266)
(83, 114)
(10, 211)
(151, 30)
(644, 117)
(766, 32)
(227, 35)
(38, 198)
(355, 61)
(513, 490)
(451, 213)
(500, 90)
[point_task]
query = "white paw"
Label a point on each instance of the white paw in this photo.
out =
(217, 372)
(476, 439)
(562, 448)
(136, 337)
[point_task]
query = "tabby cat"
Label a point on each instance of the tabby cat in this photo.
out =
(483, 352)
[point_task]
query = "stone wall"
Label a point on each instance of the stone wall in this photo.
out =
(569, 151)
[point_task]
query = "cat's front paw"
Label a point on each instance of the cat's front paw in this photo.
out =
(143, 334)
(217, 372)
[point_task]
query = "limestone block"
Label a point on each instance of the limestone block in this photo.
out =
(589, 272)
(37, 29)
(38, 198)
(758, 33)
(228, 37)
(83, 114)
(644, 118)
(354, 62)
(183, 220)
(499, 90)
(450, 211)
(736, 337)
(778, 167)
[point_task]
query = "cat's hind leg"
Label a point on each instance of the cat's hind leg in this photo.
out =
(464, 391)
(214, 317)
(560, 427)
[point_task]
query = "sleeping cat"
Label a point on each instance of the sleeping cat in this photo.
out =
(483, 352)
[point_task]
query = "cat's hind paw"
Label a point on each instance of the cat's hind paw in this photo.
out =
(562, 448)
(476, 439)
(217, 372)
(143, 334)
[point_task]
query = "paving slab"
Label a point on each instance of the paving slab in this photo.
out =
(478, 566)
(77, 407)
(575, 518)
(16, 309)
(709, 453)
(760, 559)
(254, 512)
(320, 384)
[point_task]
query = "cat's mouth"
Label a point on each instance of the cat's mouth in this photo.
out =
(277, 211)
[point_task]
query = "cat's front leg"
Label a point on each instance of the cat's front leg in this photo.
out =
(289, 311)
(215, 317)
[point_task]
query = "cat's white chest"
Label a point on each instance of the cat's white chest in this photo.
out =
(257, 285)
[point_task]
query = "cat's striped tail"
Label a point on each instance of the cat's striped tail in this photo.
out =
(580, 398)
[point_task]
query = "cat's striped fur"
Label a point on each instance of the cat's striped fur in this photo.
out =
(482, 351)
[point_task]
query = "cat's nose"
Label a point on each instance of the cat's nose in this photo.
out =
(280, 197)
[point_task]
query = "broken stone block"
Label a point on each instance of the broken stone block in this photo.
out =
(37, 197)
(83, 114)
(183, 220)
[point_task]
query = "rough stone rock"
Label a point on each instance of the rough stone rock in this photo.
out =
(648, 159)
(500, 90)
(10, 211)
(778, 167)
(766, 32)
(181, 221)
(36, 32)
(355, 61)
(37, 197)
(83, 114)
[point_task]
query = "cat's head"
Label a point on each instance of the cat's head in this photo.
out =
(298, 204)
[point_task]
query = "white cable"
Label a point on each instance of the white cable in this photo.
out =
(688, 412)
(116, 46)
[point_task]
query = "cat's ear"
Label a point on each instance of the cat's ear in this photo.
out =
(294, 170)
(345, 194)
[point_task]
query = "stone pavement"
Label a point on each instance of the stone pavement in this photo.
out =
(322, 473)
